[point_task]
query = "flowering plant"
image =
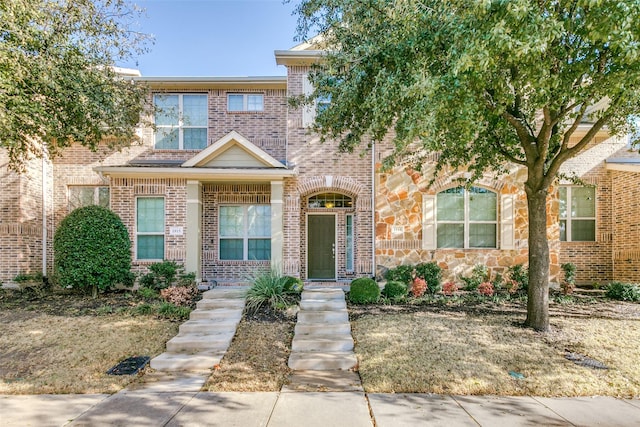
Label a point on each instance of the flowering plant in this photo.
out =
(449, 288)
(418, 287)
(486, 289)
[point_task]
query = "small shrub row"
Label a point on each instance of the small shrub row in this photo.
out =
(429, 272)
(623, 291)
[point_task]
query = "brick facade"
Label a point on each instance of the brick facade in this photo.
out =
(389, 209)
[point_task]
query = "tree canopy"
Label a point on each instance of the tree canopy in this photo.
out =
(58, 82)
(483, 83)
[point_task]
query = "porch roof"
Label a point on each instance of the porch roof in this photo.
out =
(225, 174)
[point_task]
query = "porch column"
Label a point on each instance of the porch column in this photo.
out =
(193, 235)
(277, 233)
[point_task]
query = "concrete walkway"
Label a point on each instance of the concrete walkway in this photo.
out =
(335, 409)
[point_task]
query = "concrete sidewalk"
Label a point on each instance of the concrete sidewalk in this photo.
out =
(164, 406)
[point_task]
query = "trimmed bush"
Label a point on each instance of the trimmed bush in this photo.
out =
(432, 274)
(623, 291)
(293, 285)
(520, 275)
(163, 275)
(401, 273)
(92, 250)
(479, 274)
(364, 291)
(394, 289)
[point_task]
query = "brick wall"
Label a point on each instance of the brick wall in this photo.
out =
(321, 168)
(626, 226)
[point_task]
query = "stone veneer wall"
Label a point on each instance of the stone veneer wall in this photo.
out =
(399, 224)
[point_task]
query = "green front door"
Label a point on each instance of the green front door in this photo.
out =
(321, 247)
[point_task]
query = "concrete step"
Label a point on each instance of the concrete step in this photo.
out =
(172, 362)
(213, 303)
(219, 314)
(317, 361)
(343, 328)
(231, 292)
(192, 342)
(323, 294)
(322, 305)
(328, 316)
(321, 344)
(206, 326)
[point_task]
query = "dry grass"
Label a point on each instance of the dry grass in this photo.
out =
(472, 351)
(44, 353)
(257, 358)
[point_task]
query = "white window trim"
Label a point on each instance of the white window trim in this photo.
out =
(245, 102)
(569, 218)
(181, 125)
(152, 233)
(467, 221)
(245, 232)
(350, 257)
(96, 195)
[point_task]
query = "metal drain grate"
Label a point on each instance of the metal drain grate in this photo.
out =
(583, 360)
(130, 366)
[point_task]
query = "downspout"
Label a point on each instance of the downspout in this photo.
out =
(44, 216)
(373, 208)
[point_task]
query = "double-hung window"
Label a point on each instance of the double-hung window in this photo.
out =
(80, 196)
(181, 121)
(245, 102)
(577, 214)
(150, 228)
(245, 232)
(466, 218)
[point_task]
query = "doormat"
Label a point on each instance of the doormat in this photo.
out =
(130, 366)
(585, 361)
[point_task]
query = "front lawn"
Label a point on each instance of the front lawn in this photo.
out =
(472, 349)
(66, 343)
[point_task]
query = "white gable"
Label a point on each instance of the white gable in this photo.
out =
(233, 151)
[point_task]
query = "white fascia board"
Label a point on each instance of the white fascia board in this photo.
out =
(203, 174)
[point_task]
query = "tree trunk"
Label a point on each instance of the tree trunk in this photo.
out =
(538, 292)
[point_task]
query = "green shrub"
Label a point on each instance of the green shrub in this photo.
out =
(293, 285)
(364, 291)
(568, 285)
(479, 275)
(163, 275)
(432, 273)
(401, 273)
(170, 311)
(92, 250)
(623, 291)
(394, 290)
(148, 293)
(143, 309)
(268, 288)
(519, 274)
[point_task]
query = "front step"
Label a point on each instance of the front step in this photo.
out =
(172, 362)
(221, 293)
(191, 342)
(210, 304)
(326, 316)
(343, 328)
(218, 315)
(317, 361)
(326, 294)
(323, 305)
(204, 326)
(322, 344)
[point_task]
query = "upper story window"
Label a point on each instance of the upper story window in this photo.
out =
(245, 102)
(330, 201)
(577, 214)
(466, 218)
(80, 196)
(181, 121)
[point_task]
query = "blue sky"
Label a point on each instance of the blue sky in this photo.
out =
(215, 37)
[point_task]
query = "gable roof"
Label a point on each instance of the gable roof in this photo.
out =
(233, 150)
